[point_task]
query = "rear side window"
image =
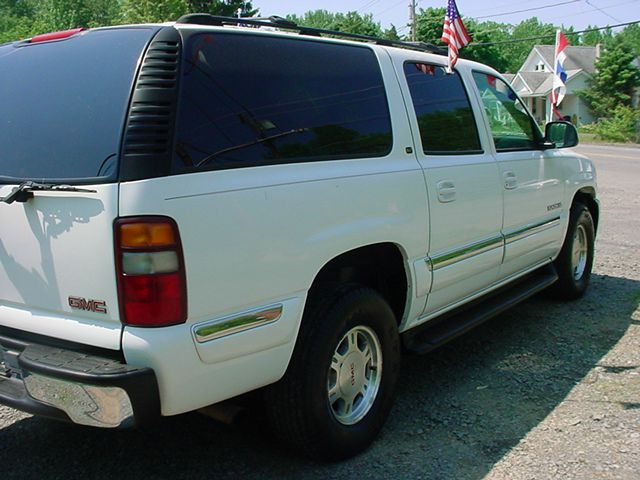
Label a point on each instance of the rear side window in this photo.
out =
(442, 107)
(63, 105)
(249, 100)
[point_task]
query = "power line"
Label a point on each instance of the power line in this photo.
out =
(591, 11)
(494, 7)
(529, 9)
(369, 4)
(516, 40)
(389, 8)
(602, 11)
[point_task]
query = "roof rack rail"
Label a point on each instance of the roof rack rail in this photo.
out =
(283, 23)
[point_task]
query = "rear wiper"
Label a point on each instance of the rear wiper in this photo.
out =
(24, 191)
(258, 141)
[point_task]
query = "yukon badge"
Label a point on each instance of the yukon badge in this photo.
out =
(96, 306)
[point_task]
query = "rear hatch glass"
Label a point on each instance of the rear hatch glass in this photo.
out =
(63, 105)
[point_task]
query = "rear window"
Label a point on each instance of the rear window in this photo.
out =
(63, 105)
(250, 100)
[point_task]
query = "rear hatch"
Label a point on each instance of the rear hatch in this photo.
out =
(63, 107)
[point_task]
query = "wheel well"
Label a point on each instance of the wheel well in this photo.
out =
(379, 266)
(587, 197)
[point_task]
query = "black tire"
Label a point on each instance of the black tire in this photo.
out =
(574, 275)
(298, 405)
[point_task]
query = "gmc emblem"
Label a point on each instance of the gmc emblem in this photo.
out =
(96, 306)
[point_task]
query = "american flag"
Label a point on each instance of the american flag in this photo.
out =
(454, 33)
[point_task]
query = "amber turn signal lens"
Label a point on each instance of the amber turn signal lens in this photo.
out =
(136, 235)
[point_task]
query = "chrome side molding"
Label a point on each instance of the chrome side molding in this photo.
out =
(205, 332)
(532, 229)
(450, 257)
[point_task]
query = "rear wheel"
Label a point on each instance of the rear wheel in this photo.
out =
(338, 389)
(576, 257)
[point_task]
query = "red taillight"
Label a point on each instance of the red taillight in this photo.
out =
(47, 37)
(150, 269)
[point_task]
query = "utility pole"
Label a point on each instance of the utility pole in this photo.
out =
(412, 19)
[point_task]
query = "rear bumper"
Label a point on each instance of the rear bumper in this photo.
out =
(69, 384)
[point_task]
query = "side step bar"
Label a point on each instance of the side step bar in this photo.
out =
(432, 334)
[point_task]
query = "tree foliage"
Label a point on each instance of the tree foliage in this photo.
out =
(429, 25)
(152, 11)
(630, 36)
(596, 37)
(516, 52)
(350, 22)
(225, 8)
(614, 81)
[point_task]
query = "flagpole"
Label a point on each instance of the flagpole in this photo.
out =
(552, 104)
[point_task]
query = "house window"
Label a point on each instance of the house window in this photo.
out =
(540, 67)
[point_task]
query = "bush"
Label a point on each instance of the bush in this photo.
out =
(621, 127)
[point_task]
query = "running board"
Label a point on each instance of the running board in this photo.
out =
(430, 335)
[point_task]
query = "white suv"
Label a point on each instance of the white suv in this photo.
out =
(196, 210)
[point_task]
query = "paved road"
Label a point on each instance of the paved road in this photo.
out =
(546, 390)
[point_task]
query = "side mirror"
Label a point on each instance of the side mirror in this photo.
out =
(562, 134)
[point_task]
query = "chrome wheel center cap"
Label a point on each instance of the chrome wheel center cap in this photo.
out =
(351, 374)
(354, 376)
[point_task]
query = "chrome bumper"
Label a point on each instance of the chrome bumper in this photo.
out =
(75, 386)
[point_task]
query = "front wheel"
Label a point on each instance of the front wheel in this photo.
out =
(576, 257)
(338, 389)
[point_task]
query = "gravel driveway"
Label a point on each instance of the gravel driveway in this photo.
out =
(547, 390)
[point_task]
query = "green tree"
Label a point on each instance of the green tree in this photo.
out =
(353, 22)
(631, 37)
(595, 37)
(350, 22)
(141, 11)
(614, 81)
(315, 19)
(391, 33)
(429, 24)
(517, 52)
(487, 32)
(25, 18)
(225, 8)
(53, 15)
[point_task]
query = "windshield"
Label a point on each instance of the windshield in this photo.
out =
(63, 105)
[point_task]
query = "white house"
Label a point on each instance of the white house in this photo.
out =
(534, 80)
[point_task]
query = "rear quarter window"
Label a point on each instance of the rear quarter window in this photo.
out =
(249, 100)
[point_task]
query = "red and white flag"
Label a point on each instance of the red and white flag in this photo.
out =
(454, 33)
(559, 74)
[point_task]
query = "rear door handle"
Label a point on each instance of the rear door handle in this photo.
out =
(446, 191)
(510, 180)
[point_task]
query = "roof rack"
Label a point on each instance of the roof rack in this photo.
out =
(283, 23)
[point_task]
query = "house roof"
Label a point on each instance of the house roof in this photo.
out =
(509, 76)
(534, 79)
(540, 83)
(578, 58)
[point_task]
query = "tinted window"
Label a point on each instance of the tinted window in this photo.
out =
(444, 114)
(249, 100)
(63, 104)
(511, 126)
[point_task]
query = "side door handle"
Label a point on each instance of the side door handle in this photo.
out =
(446, 191)
(510, 180)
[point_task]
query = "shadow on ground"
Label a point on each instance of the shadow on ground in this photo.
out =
(459, 410)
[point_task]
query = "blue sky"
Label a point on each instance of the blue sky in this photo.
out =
(578, 13)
